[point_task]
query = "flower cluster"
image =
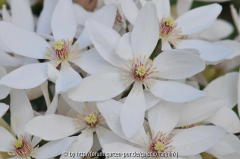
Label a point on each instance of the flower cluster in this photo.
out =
(118, 76)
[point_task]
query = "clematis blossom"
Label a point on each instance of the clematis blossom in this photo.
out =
(109, 80)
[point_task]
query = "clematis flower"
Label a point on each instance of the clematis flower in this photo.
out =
(112, 79)
(162, 139)
(61, 54)
(175, 32)
(20, 144)
(86, 119)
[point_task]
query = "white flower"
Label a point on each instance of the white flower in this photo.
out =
(162, 120)
(25, 145)
(61, 54)
(86, 118)
(109, 80)
(3, 109)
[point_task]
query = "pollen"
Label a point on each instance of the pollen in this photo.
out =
(141, 70)
(18, 144)
(91, 118)
(159, 146)
(169, 22)
(58, 45)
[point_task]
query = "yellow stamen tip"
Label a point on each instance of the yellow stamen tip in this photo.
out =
(18, 144)
(58, 45)
(91, 118)
(169, 21)
(141, 70)
(159, 146)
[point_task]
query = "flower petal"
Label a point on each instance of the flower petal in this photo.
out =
(130, 10)
(3, 109)
(145, 33)
(98, 87)
(83, 144)
(93, 63)
(81, 14)
(52, 73)
(199, 110)
(64, 23)
(105, 15)
(225, 88)
(22, 42)
(183, 6)
(110, 110)
(124, 48)
(44, 20)
(133, 111)
(165, 45)
(26, 77)
(214, 32)
(175, 91)
(206, 16)
(227, 119)
(21, 111)
(233, 44)
(163, 8)
(105, 40)
(150, 99)
(53, 106)
(164, 116)
(209, 51)
(178, 65)
(68, 78)
(197, 139)
(52, 127)
(222, 148)
(54, 148)
(6, 138)
(22, 14)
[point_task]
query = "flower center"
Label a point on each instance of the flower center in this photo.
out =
(22, 148)
(160, 143)
(91, 119)
(169, 32)
(62, 51)
(140, 70)
(159, 146)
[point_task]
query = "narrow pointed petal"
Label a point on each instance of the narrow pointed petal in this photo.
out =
(93, 63)
(183, 6)
(53, 106)
(6, 138)
(225, 88)
(163, 8)
(98, 87)
(64, 24)
(133, 111)
(130, 10)
(175, 91)
(52, 127)
(22, 15)
(200, 109)
(206, 16)
(197, 139)
(105, 15)
(106, 136)
(26, 77)
(227, 119)
(145, 33)
(54, 148)
(22, 42)
(105, 40)
(210, 52)
(124, 48)
(164, 116)
(178, 65)
(44, 21)
(68, 78)
(21, 111)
